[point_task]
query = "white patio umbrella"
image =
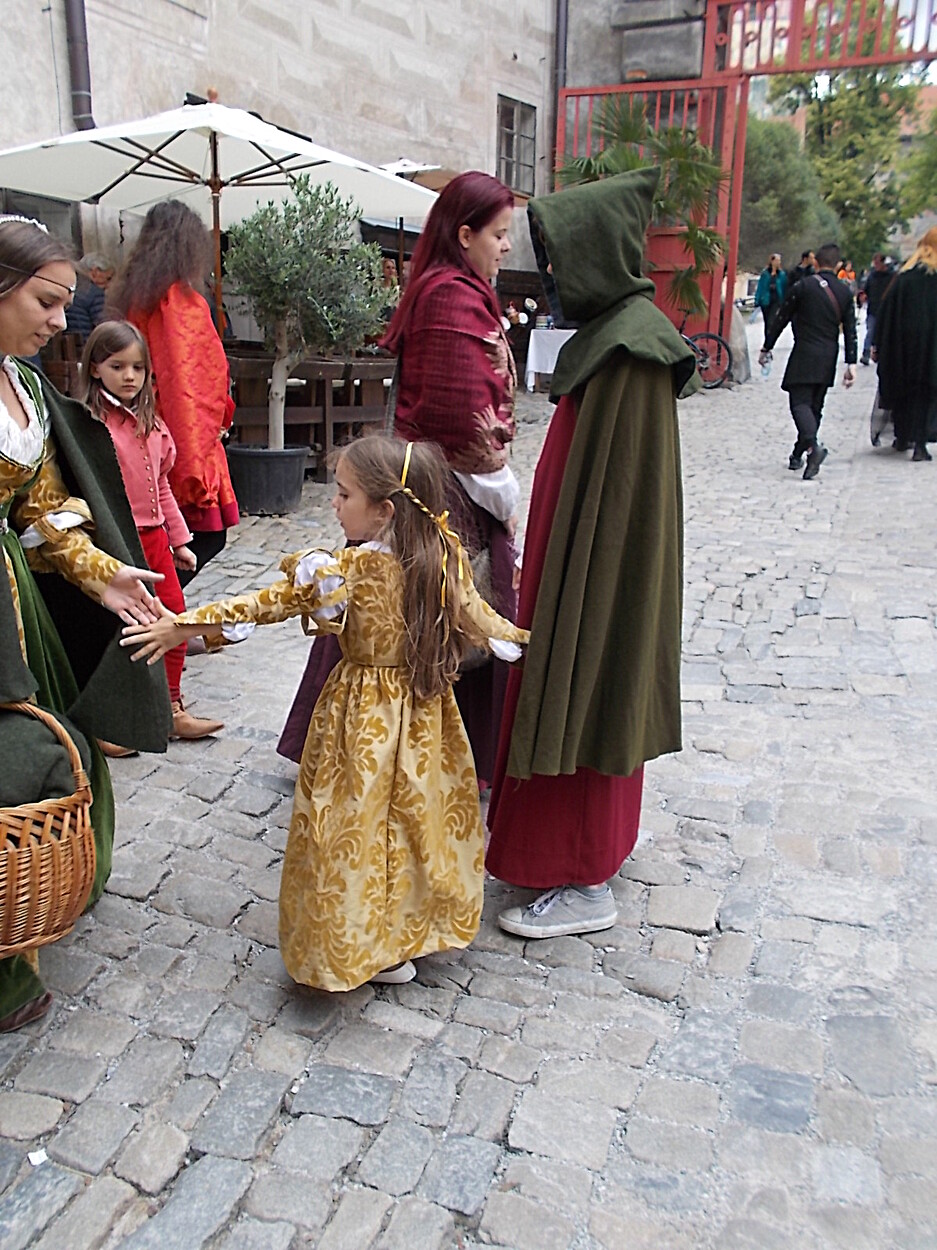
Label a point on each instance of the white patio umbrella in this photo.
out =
(221, 161)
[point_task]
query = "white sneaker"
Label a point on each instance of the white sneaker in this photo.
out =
(399, 974)
(561, 912)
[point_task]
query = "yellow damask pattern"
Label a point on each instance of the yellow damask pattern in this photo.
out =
(17, 612)
(384, 860)
(69, 552)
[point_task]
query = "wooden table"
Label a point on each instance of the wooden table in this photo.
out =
(327, 401)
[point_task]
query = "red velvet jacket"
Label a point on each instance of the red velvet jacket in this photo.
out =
(457, 374)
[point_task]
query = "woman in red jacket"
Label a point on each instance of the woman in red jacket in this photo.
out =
(160, 291)
(456, 385)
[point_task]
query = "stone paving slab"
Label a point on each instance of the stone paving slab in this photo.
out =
(747, 1059)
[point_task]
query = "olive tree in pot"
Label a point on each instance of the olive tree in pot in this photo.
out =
(314, 288)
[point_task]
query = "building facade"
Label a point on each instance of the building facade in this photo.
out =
(461, 85)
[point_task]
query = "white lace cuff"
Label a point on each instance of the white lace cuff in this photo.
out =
(238, 631)
(501, 649)
(31, 537)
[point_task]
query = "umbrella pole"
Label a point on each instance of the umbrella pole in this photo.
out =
(215, 186)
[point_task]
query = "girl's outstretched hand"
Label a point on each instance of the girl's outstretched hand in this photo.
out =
(184, 558)
(155, 639)
(127, 596)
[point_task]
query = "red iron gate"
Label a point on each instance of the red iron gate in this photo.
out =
(798, 36)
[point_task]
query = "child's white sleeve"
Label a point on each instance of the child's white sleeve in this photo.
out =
(502, 649)
(309, 570)
(238, 632)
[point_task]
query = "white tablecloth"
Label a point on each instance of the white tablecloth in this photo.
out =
(542, 351)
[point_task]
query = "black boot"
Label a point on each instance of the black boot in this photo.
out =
(815, 457)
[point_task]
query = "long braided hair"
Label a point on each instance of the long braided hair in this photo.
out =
(413, 476)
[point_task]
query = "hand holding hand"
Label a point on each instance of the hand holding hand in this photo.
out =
(849, 376)
(154, 639)
(128, 597)
(184, 558)
(764, 356)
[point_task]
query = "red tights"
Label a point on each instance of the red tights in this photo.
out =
(155, 543)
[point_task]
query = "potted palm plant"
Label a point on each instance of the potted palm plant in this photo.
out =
(316, 290)
(682, 248)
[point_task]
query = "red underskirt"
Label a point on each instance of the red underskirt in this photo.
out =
(567, 830)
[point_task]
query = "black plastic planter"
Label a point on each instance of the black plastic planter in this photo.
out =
(267, 483)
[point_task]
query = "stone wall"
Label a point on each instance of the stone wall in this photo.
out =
(380, 79)
(612, 40)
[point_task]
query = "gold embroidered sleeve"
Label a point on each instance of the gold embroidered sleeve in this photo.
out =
(279, 601)
(486, 619)
(67, 551)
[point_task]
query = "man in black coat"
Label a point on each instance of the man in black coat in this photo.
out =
(876, 284)
(816, 307)
(807, 266)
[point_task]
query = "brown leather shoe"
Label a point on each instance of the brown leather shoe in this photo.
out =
(185, 725)
(114, 752)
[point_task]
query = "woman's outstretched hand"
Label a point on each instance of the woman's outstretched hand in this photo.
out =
(127, 595)
(155, 638)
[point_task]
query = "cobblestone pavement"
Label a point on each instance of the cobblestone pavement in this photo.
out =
(747, 1060)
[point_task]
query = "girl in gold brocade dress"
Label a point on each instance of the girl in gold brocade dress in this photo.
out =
(385, 854)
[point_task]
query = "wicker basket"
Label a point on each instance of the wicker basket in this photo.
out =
(47, 857)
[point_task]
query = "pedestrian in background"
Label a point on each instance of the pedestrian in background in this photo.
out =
(772, 285)
(806, 267)
(877, 283)
(906, 343)
(384, 860)
(847, 274)
(161, 290)
(816, 307)
(95, 272)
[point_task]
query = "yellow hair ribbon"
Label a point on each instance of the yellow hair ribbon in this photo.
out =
(445, 533)
(441, 522)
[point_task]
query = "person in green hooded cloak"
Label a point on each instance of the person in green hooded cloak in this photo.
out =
(602, 582)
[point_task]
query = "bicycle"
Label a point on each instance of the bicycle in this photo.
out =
(712, 352)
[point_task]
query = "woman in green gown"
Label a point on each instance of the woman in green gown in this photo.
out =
(59, 483)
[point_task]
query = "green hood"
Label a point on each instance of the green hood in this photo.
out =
(593, 238)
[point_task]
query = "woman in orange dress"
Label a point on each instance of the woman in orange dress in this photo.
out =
(160, 291)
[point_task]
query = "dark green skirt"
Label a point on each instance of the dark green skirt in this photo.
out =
(57, 690)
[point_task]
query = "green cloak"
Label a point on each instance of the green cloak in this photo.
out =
(601, 681)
